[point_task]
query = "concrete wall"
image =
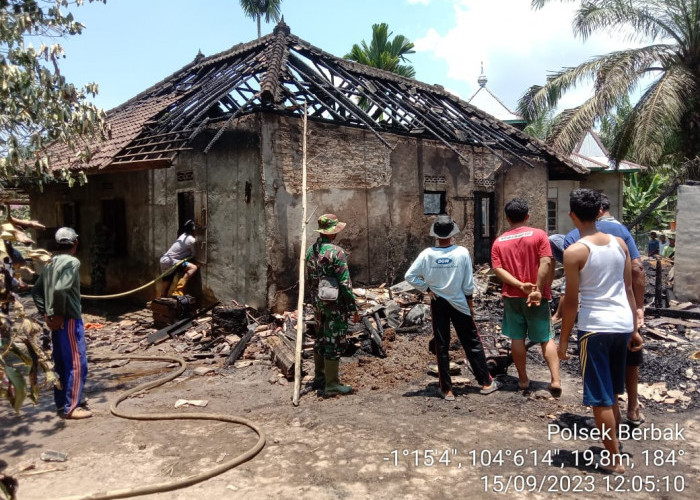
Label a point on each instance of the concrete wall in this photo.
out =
(122, 272)
(610, 184)
(560, 191)
(248, 188)
(522, 181)
(228, 184)
(377, 191)
(687, 265)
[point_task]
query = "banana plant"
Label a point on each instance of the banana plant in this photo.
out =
(639, 191)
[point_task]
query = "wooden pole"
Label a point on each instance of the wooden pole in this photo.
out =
(302, 265)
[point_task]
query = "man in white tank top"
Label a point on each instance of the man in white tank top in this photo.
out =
(598, 268)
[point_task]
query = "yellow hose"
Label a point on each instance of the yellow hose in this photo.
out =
(142, 287)
(189, 480)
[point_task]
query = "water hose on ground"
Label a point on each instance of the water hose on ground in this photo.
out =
(142, 287)
(189, 480)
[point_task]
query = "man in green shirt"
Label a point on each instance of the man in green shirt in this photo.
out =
(57, 296)
(670, 251)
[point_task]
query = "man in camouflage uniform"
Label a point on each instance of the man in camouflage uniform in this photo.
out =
(327, 259)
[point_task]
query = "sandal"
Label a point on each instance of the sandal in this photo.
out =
(447, 397)
(495, 385)
(634, 423)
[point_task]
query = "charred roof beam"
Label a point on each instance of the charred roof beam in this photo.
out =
(329, 108)
(341, 99)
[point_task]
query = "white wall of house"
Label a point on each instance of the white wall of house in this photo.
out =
(558, 192)
(609, 183)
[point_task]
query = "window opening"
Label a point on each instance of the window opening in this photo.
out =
(551, 216)
(434, 202)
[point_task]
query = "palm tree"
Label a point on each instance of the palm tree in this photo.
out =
(384, 54)
(541, 125)
(664, 125)
(256, 9)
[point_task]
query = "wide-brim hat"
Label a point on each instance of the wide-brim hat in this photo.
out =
(329, 224)
(443, 227)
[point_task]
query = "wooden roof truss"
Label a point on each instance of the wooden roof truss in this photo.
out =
(280, 73)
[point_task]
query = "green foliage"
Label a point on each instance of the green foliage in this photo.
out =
(21, 357)
(639, 191)
(38, 106)
(256, 9)
(664, 125)
(541, 125)
(611, 123)
(383, 53)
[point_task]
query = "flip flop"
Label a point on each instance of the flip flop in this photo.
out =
(447, 397)
(495, 385)
(635, 423)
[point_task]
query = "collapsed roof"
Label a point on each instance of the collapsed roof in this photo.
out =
(279, 73)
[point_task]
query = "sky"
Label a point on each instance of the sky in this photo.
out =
(128, 45)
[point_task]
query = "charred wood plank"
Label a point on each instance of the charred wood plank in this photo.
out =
(227, 320)
(672, 313)
(409, 329)
(347, 104)
(240, 347)
(177, 328)
(657, 285)
(661, 335)
(282, 356)
(375, 338)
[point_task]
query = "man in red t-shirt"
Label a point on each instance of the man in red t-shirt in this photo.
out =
(522, 259)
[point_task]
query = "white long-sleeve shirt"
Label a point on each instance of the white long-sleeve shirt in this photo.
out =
(447, 271)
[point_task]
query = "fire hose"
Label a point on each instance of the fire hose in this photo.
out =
(186, 481)
(142, 287)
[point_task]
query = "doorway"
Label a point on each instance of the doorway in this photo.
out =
(484, 226)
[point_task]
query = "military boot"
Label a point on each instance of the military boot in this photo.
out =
(333, 385)
(319, 371)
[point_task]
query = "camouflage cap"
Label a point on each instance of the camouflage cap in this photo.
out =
(329, 224)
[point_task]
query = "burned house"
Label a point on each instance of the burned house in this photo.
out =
(220, 141)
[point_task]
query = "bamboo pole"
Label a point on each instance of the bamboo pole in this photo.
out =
(302, 262)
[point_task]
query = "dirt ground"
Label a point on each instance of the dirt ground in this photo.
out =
(393, 438)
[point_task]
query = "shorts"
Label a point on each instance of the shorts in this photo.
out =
(166, 263)
(603, 362)
(634, 358)
(520, 321)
